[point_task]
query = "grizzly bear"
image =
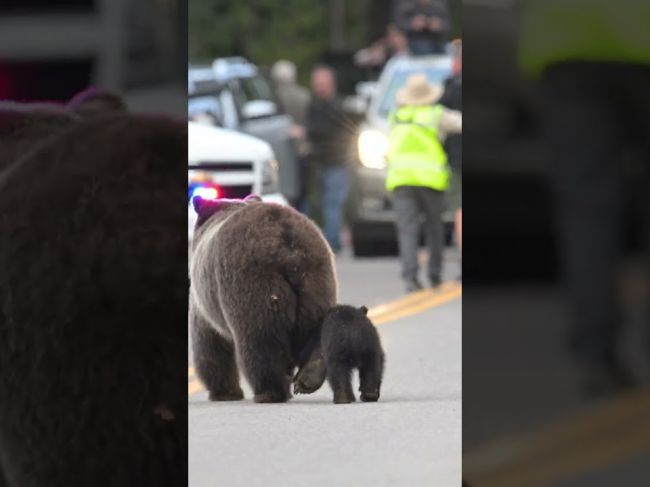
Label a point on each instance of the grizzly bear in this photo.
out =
(262, 280)
(93, 296)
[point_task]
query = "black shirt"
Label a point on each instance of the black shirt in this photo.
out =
(327, 131)
(452, 98)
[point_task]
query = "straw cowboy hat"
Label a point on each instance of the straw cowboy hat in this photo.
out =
(418, 91)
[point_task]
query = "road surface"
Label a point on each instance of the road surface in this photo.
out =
(411, 437)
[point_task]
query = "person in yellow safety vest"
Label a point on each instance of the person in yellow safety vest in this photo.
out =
(592, 60)
(418, 174)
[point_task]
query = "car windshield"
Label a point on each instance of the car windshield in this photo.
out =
(433, 74)
(255, 98)
(200, 105)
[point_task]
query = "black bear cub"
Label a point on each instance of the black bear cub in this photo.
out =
(350, 341)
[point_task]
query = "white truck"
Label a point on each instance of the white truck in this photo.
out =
(227, 164)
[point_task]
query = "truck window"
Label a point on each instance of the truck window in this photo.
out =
(255, 98)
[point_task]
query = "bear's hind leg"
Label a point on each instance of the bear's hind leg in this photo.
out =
(214, 361)
(370, 373)
(339, 378)
(265, 364)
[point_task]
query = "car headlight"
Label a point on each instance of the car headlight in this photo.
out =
(270, 176)
(373, 147)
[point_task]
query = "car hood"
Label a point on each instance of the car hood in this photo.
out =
(212, 143)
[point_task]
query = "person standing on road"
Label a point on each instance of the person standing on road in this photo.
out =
(425, 23)
(418, 174)
(327, 129)
(453, 99)
(295, 101)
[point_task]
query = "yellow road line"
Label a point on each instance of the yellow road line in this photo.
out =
(410, 299)
(434, 300)
(607, 433)
(400, 308)
(624, 445)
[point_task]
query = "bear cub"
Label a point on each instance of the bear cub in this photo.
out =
(350, 341)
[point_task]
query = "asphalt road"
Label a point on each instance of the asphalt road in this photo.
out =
(411, 437)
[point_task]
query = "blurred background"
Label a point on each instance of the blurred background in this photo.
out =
(50, 50)
(556, 316)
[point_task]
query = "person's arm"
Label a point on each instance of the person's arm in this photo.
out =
(450, 122)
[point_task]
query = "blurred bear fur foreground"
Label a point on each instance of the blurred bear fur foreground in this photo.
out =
(93, 293)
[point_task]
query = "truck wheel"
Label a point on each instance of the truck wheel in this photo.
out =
(366, 243)
(362, 248)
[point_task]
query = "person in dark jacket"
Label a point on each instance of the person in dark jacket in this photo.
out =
(326, 130)
(425, 23)
(453, 99)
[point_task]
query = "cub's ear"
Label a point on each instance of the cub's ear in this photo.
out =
(252, 197)
(93, 101)
(364, 310)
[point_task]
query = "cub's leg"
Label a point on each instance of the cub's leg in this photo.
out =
(339, 378)
(370, 373)
(214, 360)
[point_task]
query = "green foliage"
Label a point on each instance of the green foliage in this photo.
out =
(262, 30)
(267, 30)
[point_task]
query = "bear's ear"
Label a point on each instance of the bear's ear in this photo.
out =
(252, 197)
(93, 101)
(205, 207)
(198, 203)
(364, 310)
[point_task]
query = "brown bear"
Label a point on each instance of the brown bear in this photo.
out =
(93, 296)
(262, 280)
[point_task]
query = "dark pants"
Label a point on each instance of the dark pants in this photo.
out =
(411, 204)
(594, 111)
(334, 192)
(302, 200)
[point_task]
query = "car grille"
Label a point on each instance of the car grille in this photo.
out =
(223, 166)
(235, 192)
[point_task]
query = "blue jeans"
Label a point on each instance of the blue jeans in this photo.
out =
(334, 192)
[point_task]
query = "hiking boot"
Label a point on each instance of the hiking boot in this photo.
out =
(413, 285)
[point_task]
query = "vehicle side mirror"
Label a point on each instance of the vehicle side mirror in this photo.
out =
(259, 108)
(366, 89)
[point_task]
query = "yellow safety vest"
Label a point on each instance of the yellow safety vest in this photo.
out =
(415, 155)
(556, 31)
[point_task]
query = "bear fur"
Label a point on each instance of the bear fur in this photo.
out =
(93, 297)
(262, 280)
(350, 341)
